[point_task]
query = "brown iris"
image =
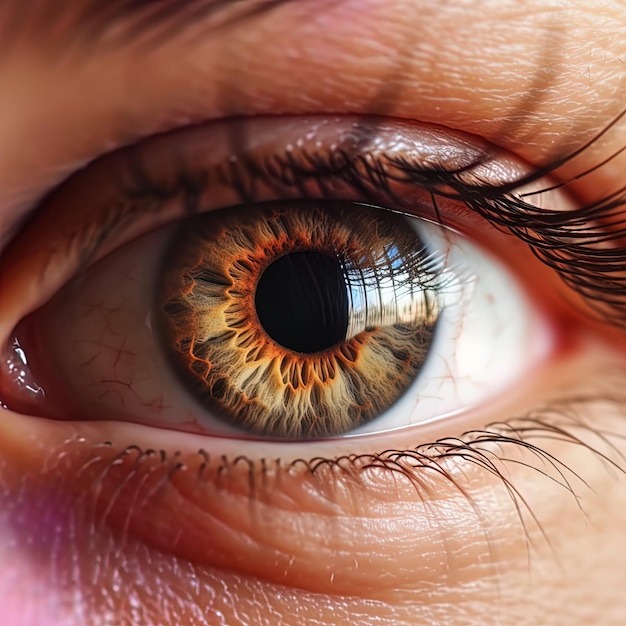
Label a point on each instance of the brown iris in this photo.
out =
(298, 320)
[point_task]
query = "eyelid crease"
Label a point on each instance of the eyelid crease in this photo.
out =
(72, 223)
(419, 169)
(552, 166)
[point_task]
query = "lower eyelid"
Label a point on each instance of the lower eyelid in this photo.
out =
(253, 518)
(318, 525)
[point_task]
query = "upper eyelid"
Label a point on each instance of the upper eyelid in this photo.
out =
(128, 128)
(351, 156)
(76, 238)
(71, 237)
(546, 230)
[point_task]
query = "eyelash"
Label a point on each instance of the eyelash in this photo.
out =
(484, 448)
(565, 241)
(547, 232)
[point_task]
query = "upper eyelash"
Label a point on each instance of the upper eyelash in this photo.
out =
(569, 242)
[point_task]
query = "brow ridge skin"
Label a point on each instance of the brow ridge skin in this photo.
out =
(95, 26)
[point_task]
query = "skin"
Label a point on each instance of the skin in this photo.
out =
(310, 550)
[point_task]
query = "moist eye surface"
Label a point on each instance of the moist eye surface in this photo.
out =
(298, 321)
(288, 309)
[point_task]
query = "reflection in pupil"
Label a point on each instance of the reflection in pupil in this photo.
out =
(302, 302)
(299, 320)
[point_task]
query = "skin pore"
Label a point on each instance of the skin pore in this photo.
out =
(90, 535)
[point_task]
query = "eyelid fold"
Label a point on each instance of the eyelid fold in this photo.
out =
(203, 168)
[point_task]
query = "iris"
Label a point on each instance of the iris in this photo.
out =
(298, 320)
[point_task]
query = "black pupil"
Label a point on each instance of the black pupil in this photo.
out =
(302, 302)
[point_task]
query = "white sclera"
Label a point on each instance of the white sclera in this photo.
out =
(488, 336)
(106, 355)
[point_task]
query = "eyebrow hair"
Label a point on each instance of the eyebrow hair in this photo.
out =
(106, 25)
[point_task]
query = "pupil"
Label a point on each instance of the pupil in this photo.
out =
(302, 302)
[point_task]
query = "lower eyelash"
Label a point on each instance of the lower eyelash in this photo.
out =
(146, 471)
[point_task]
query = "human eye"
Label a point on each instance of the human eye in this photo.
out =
(246, 527)
(297, 319)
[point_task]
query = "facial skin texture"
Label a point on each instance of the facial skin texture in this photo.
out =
(535, 78)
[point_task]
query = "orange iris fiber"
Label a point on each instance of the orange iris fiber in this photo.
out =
(212, 331)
